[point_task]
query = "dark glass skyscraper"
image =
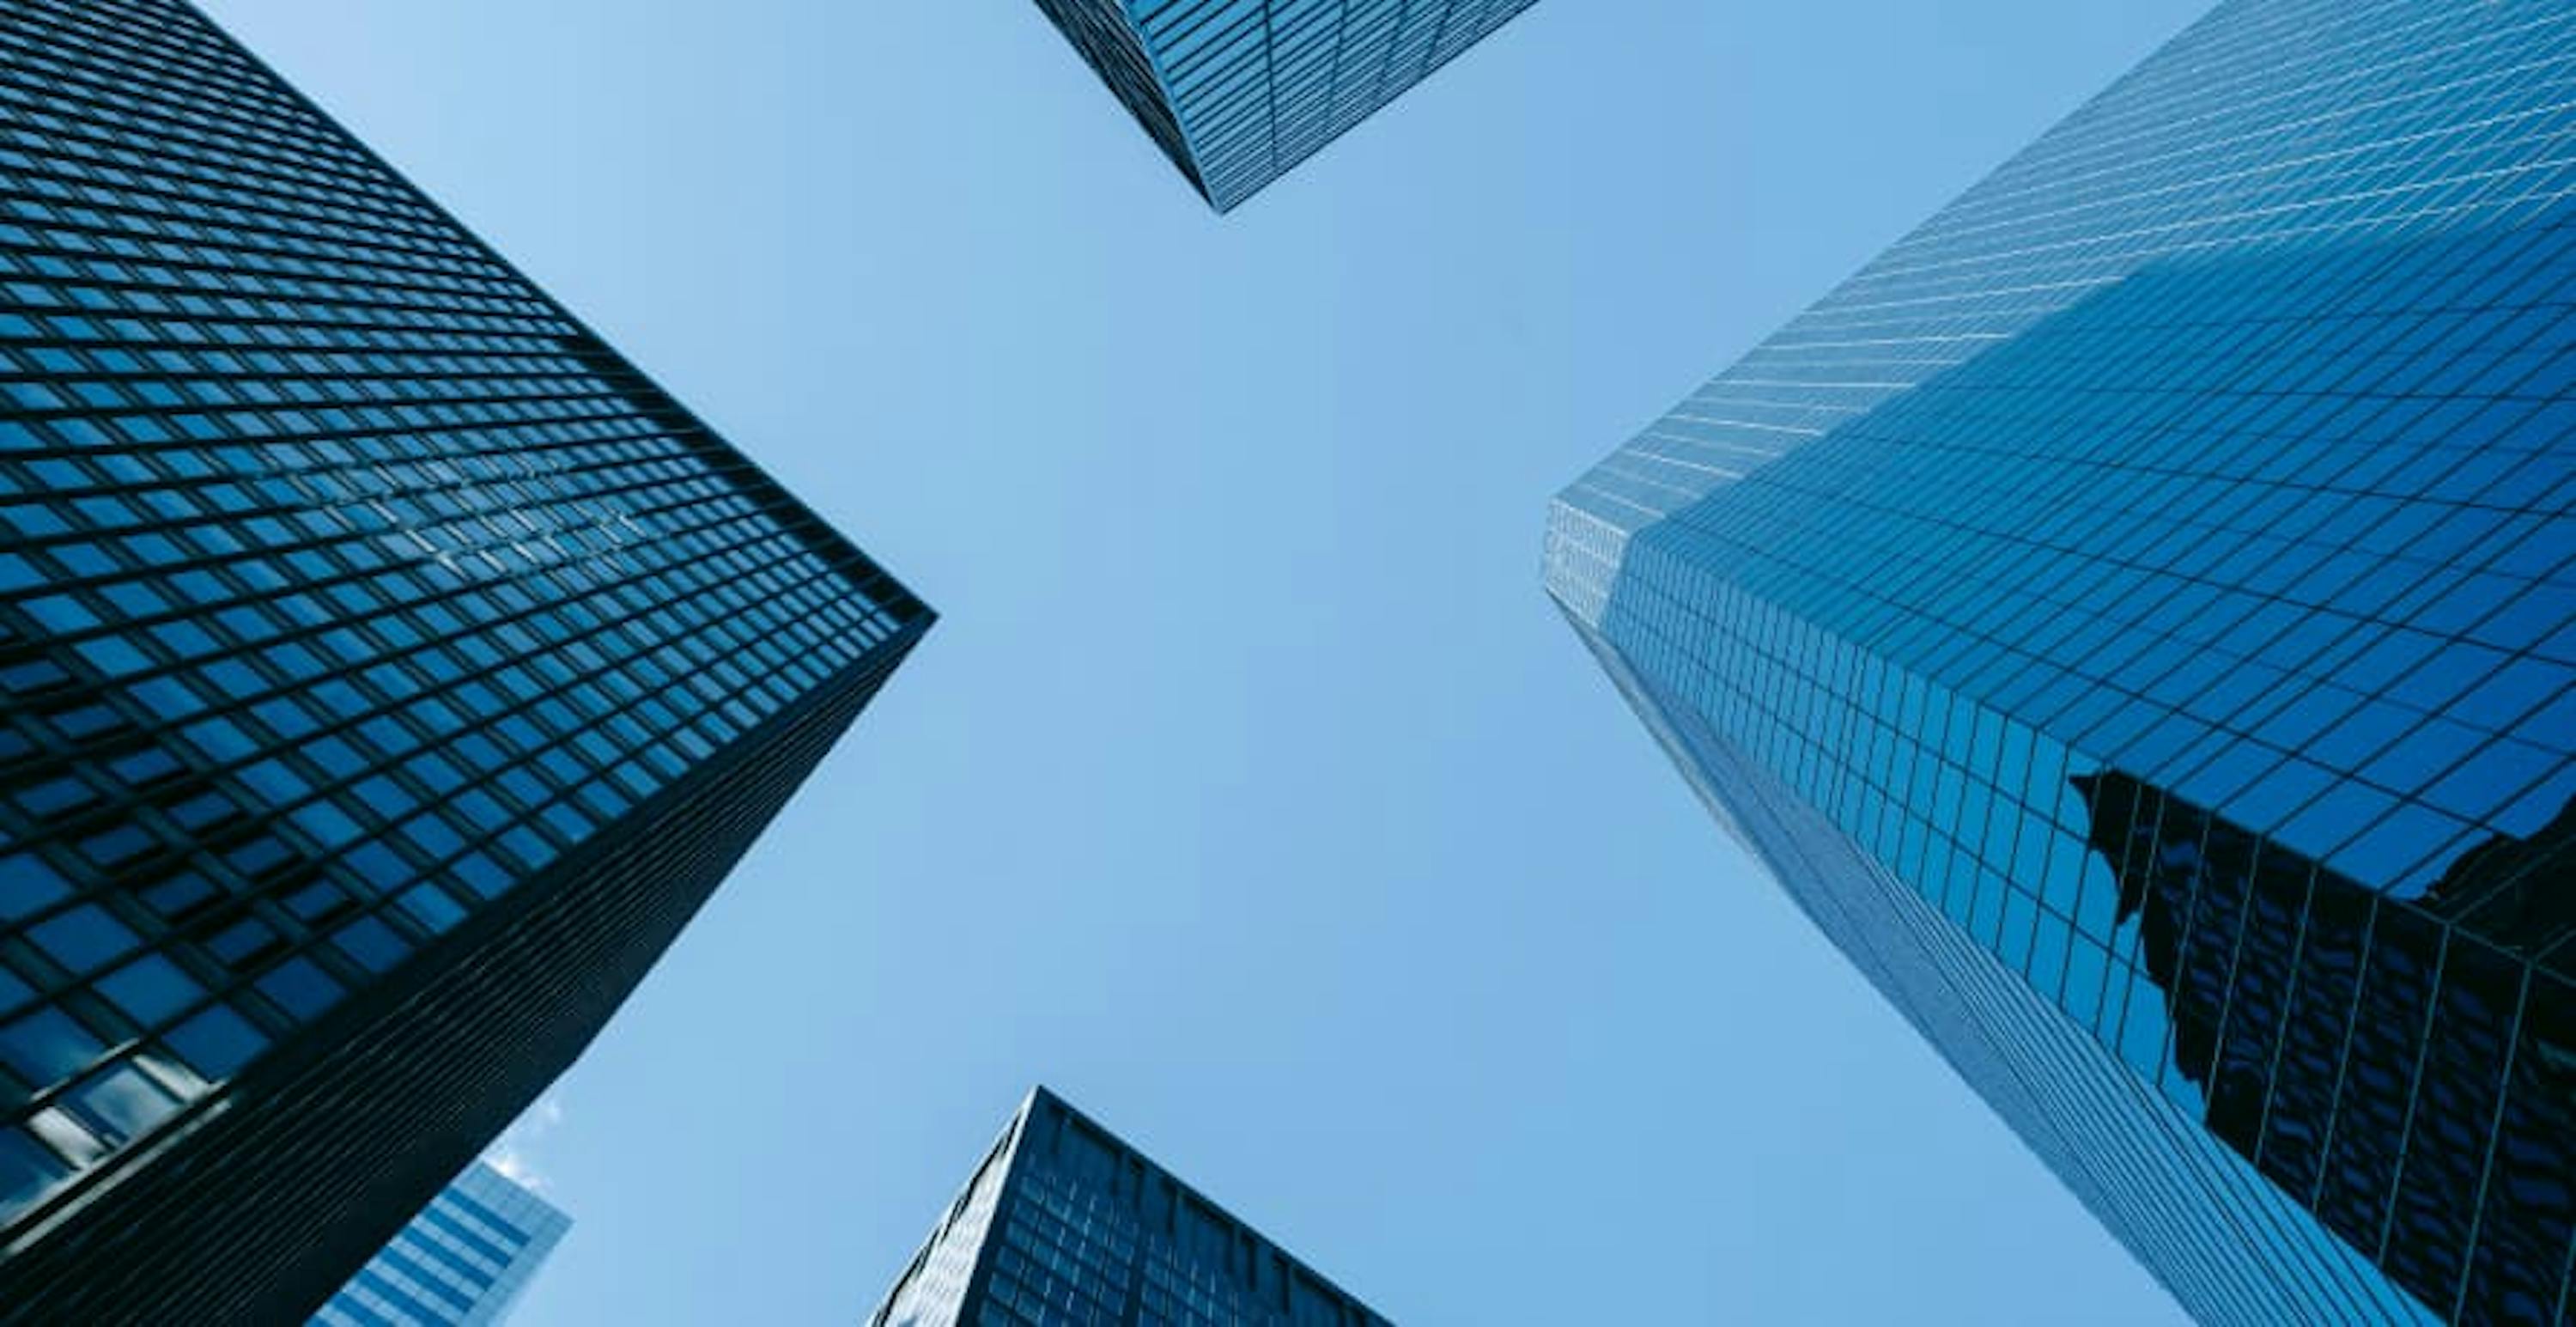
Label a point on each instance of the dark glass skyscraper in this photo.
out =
(2135, 618)
(1065, 1226)
(463, 1262)
(1237, 92)
(387, 672)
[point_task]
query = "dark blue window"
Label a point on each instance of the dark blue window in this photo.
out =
(47, 1046)
(150, 989)
(216, 1043)
(84, 938)
(301, 988)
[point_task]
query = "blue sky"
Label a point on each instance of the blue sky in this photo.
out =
(1250, 793)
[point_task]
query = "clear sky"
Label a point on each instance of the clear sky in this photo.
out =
(1250, 793)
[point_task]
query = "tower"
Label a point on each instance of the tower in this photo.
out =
(1064, 1223)
(388, 671)
(1238, 92)
(2135, 618)
(461, 1263)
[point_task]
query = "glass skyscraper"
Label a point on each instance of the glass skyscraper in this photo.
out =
(461, 1263)
(1237, 92)
(2135, 618)
(388, 670)
(1063, 1225)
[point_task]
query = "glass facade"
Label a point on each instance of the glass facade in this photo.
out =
(1237, 92)
(2135, 617)
(387, 670)
(461, 1263)
(1065, 1226)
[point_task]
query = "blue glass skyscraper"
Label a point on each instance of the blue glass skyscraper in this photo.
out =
(388, 671)
(1237, 92)
(2135, 618)
(1063, 1225)
(461, 1263)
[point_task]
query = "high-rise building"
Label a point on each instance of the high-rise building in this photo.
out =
(388, 670)
(1237, 92)
(2135, 618)
(1063, 1225)
(461, 1263)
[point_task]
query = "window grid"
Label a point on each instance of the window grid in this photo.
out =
(2161, 566)
(347, 583)
(1239, 92)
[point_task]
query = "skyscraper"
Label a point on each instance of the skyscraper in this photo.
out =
(2135, 618)
(1237, 92)
(461, 1263)
(387, 672)
(1063, 1225)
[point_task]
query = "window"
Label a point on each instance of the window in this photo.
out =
(27, 1172)
(301, 988)
(150, 989)
(372, 943)
(433, 908)
(216, 1043)
(83, 939)
(120, 1104)
(47, 1047)
(27, 884)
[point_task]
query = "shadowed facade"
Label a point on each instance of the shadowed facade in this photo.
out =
(1064, 1223)
(388, 671)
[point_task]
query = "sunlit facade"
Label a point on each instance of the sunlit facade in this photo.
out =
(387, 672)
(1237, 92)
(2135, 618)
(463, 1262)
(1063, 1225)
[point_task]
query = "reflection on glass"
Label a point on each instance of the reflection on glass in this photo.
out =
(2405, 1069)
